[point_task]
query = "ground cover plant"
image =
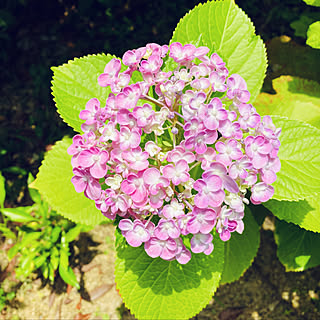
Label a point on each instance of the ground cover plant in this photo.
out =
(143, 280)
(42, 241)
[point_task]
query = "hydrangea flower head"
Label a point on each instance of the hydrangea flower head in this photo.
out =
(176, 155)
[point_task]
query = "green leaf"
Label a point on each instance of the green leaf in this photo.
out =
(55, 233)
(65, 271)
(315, 3)
(54, 183)
(226, 29)
(75, 83)
(34, 194)
(313, 35)
(54, 258)
(73, 233)
(296, 99)
(298, 249)
(6, 232)
(39, 261)
(19, 214)
(158, 289)
(241, 249)
(305, 213)
(2, 190)
(301, 26)
(299, 154)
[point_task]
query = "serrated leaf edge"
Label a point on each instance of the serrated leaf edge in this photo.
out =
(69, 63)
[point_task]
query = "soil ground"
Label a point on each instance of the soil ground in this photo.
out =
(264, 292)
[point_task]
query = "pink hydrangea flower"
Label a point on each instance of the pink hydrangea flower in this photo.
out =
(177, 173)
(174, 154)
(202, 243)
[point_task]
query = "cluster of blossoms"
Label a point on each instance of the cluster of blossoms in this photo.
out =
(173, 155)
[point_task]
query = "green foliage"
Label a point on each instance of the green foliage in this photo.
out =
(2, 190)
(241, 249)
(43, 241)
(296, 99)
(301, 26)
(54, 183)
(298, 249)
(312, 2)
(75, 83)
(158, 289)
(226, 29)
(5, 298)
(299, 154)
(304, 213)
(313, 35)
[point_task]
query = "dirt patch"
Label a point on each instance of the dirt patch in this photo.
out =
(265, 291)
(97, 299)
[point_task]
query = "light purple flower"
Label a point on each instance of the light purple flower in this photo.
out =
(89, 114)
(111, 71)
(199, 141)
(84, 182)
(134, 232)
(218, 169)
(228, 151)
(95, 160)
(239, 168)
(129, 138)
(237, 89)
(143, 114)
(212, 114)
(202, 220)
(261, 192)
(135, 187)
(166, 229)
(268, 172)
(202, 243)
(258, 148)
(177, 173)
(249, 118)
(137, 159)
(165, 249)
(218, 82)
(153, 179)
(173, 210)
(209, 192)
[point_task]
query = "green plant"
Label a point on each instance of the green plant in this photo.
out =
(313, 33)
(5, 297)
(43, 241)
(154, 288)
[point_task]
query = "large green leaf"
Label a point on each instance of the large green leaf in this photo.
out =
(298, 249)
(226, 29)
(54, 183)
(313, 35)
(158, 289)
(296, 99)
(305, 213)
(241, 249)
(299, 153)
(75, 83)
(312, 2)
